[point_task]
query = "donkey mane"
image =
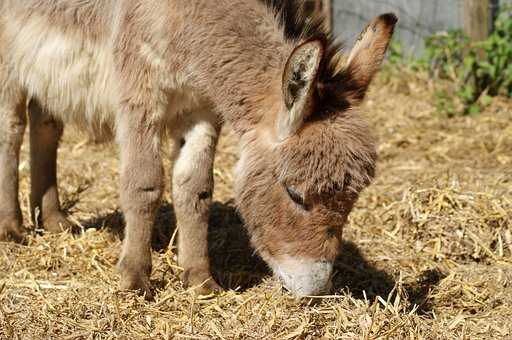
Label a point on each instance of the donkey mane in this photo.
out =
(298, 27)
(336, 84)
(295, 23)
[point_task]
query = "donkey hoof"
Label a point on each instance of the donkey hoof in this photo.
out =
(209, 287)
(10, 230)
(57, 223)
(138, 283)
(201, 282)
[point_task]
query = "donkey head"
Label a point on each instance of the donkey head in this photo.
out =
(299, 178)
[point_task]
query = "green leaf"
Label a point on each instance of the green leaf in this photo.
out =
(474, 109)
(485, 100)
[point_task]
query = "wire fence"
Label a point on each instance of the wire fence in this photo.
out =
(418, 18)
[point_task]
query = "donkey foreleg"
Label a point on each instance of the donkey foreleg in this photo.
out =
(141, 191)
(192, 188)
(45, 134)
(12, 114)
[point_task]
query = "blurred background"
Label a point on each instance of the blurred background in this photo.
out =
(419, 19)
(466, 44)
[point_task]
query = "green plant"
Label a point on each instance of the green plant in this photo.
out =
(479, 70)
(488, 65)
(444, 54)
(396, 53)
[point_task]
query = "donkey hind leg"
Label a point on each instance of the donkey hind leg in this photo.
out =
(45, 133)
(140, 193)
(192, 188)
(13, 116)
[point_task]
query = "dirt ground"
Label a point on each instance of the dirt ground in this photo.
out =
(427, 252)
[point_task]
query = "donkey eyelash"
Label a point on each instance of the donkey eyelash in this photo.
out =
(296, 196)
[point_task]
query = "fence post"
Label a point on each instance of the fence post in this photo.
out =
(323, 8)
(327, 9)
(477, 19)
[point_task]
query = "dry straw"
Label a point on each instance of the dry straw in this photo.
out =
(428, 251)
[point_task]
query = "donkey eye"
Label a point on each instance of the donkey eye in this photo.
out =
(296, 196)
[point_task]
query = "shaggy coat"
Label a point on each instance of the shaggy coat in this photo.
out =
(139, 70)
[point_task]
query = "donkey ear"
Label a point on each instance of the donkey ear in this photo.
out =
(299, 84)
(368, 52)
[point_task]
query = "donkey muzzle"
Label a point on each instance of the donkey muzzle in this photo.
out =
(305, 277)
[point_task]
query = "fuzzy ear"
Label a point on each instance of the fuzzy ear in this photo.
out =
(299, 84)
(367, 54)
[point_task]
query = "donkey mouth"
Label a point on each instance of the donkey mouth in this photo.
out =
(304, 277)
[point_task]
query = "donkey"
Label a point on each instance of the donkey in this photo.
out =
(141, 70)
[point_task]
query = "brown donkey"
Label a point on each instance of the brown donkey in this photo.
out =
(140, 70)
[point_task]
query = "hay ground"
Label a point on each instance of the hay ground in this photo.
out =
(428, 250)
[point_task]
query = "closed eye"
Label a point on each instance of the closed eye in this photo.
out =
(296, 197)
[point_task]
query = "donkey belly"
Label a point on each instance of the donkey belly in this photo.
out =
(71, 77)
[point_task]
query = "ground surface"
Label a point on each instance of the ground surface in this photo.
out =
(428, 251)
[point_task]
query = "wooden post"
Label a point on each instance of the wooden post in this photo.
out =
(323, 8)
(477, 19)
(327, 10)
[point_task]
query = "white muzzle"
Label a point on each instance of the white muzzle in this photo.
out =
(304, 277)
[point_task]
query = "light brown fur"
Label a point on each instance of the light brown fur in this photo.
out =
(137, 69)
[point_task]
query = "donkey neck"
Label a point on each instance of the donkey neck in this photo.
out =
(241, 62)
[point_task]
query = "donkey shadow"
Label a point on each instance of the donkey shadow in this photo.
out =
(233, 262)
(235, 266)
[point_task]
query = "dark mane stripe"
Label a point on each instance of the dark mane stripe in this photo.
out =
(296, 24)
(298, 27)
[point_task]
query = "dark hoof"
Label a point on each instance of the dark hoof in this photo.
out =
(201, 282)
(135, 272)
(137, 282)
(10, 230)
(57, 223)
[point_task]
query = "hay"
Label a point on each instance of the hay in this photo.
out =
(428, 251)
